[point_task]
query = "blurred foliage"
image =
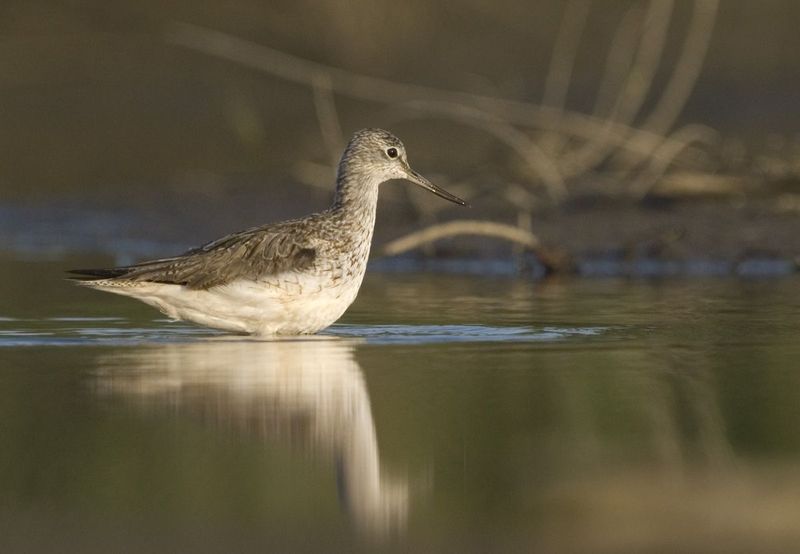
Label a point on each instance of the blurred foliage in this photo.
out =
(96, 102)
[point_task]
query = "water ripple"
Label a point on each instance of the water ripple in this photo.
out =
(61, 331)
(426, 334)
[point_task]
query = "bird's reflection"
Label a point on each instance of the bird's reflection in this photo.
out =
(311, 390)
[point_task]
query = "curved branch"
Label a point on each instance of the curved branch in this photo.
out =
(461, 227)
(553, 260)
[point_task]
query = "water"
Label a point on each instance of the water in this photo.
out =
(443, 413)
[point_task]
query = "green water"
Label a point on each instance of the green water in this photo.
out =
(442, 414)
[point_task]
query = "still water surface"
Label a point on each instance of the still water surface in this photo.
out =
(441, 414)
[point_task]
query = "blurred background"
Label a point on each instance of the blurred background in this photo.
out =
(598, 126)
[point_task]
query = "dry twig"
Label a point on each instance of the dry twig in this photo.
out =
(554, 261)
(461, 227)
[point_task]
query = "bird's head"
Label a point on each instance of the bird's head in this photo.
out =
(380, 156)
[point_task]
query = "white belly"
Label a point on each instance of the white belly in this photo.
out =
(286, 305)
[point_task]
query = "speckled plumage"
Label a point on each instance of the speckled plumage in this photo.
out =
(292, 277)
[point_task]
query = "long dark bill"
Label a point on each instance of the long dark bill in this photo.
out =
(418, 179)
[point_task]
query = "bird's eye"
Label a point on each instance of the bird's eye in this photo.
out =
(391, 152)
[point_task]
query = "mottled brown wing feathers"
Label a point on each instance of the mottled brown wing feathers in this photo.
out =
(247, 255)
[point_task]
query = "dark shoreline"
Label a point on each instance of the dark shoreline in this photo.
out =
(588, 237)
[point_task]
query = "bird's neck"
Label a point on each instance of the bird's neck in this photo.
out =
(356, 198)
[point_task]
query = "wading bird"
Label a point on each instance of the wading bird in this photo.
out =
(288, 278)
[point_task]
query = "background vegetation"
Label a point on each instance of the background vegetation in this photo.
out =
(529, 109)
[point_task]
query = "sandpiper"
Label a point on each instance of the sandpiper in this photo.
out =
(288, 278)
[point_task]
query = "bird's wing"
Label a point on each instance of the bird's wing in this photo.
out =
(250, 254)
